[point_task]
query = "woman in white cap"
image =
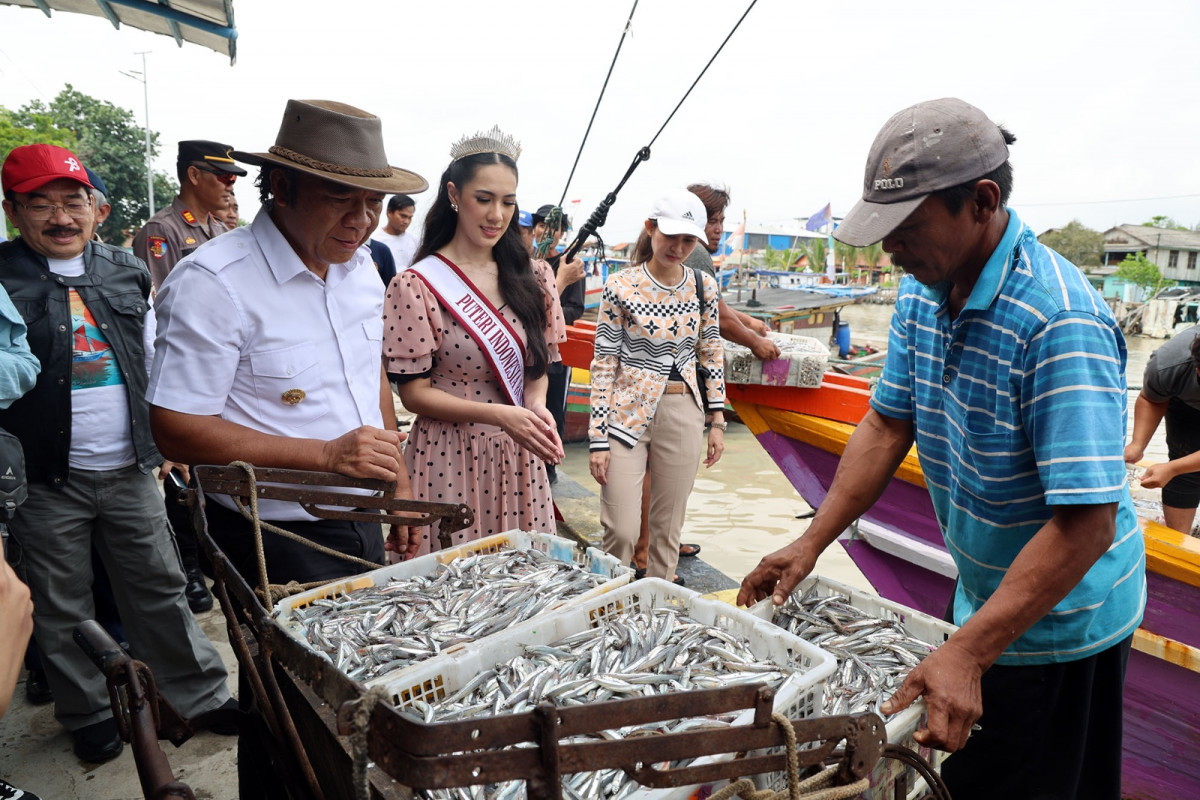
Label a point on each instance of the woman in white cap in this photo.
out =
(657, 325)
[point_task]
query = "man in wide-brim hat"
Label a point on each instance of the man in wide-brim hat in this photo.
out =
(270, 336)
(270, 350)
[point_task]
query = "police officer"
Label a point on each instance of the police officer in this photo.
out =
(206, 176)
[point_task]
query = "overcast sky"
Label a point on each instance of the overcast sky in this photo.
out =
(1103, 96)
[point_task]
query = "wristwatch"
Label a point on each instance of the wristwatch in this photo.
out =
(721, 425)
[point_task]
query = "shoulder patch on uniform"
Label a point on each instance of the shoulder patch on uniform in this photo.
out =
(157, 246)
(188, 217)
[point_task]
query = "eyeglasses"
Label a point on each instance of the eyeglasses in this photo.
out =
(40, 212)
(224, 177)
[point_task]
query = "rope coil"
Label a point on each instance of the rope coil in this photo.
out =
(816, 787)
(269, 592)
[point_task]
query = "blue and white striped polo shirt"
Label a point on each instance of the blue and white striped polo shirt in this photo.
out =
(1019, 404)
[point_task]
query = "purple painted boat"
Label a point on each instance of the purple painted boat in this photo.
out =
(898, 547)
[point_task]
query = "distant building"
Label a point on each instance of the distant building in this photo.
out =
(1175, 253)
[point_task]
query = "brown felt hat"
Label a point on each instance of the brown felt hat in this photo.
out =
(339, 143)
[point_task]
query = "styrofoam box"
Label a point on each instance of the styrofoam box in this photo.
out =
(559, 548)
(801, 363)
(902, 726)
(800, 695)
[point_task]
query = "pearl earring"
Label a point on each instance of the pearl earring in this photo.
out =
(454, 207)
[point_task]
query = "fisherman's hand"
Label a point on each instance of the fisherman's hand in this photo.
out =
(778, 574)
(569, 273)
(1134, 454)
(598, 466)
(165, 468)
(757, 325)
(533, 430)
(949, 680)
(764, 349)
(1157, 476)
(364, 452)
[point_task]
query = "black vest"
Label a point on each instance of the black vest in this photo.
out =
(114, 287)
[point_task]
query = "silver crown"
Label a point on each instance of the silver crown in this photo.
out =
(493, 141)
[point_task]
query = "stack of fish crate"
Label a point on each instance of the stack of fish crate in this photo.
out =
(801, 363)
(371, 603)
(440, 688)
(900, 727)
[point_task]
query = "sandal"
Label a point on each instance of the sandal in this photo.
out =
(638, 573)
(689, 550)
(679, 581)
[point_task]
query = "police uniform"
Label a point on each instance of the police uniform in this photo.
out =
(175, 232)
(171, 234)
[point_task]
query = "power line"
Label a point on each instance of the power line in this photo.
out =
(1103, 202)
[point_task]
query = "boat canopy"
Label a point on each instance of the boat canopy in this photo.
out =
(208, 23)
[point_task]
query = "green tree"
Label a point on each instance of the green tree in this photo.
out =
(1140, 271)
(817, 248)
(108, 140)
(1163, 221)
(1078, 243)
(781, 259)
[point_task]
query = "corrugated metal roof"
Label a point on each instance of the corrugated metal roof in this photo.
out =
(1119, 238)
(208, 23)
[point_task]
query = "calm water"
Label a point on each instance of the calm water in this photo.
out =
(743, 507)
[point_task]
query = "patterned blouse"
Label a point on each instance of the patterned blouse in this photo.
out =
(643, 330)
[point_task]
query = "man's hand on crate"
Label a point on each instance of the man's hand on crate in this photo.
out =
(778, 574)
(948, 678)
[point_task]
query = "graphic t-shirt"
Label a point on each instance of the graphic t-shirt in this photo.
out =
(101, 436)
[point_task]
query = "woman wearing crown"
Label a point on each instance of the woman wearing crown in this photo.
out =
(470, 328)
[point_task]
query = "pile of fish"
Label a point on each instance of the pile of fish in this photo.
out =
(372, 631)
(632, 654)
(874, 655)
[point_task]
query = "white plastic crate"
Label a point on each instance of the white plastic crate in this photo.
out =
(800, 695)
(902, 726)
(591, 560)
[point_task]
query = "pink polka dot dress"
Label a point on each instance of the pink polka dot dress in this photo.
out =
(466, 462)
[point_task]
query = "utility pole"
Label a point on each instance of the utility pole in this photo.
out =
(143, 77)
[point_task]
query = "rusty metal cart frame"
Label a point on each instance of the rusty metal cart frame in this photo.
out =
(328, 736)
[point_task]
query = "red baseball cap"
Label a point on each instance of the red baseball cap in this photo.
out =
(32, 166)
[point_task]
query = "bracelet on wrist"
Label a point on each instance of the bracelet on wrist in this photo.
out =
(719, 425)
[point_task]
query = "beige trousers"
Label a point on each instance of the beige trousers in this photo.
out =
(670, 451)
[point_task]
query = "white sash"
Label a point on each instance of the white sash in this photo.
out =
(499, 342)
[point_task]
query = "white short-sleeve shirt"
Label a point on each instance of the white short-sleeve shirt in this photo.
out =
(247, 333)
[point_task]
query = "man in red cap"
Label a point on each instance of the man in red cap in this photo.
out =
(85, 430)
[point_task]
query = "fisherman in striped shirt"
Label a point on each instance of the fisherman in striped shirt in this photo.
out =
(1007, 370)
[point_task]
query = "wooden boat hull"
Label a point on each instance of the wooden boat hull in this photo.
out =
(898, 547)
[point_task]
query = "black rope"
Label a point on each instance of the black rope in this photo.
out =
(625, 30)
(600, 215)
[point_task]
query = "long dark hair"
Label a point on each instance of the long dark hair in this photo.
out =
(641, 248)
(520, 288)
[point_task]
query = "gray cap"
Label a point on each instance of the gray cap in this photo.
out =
(923, 149)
